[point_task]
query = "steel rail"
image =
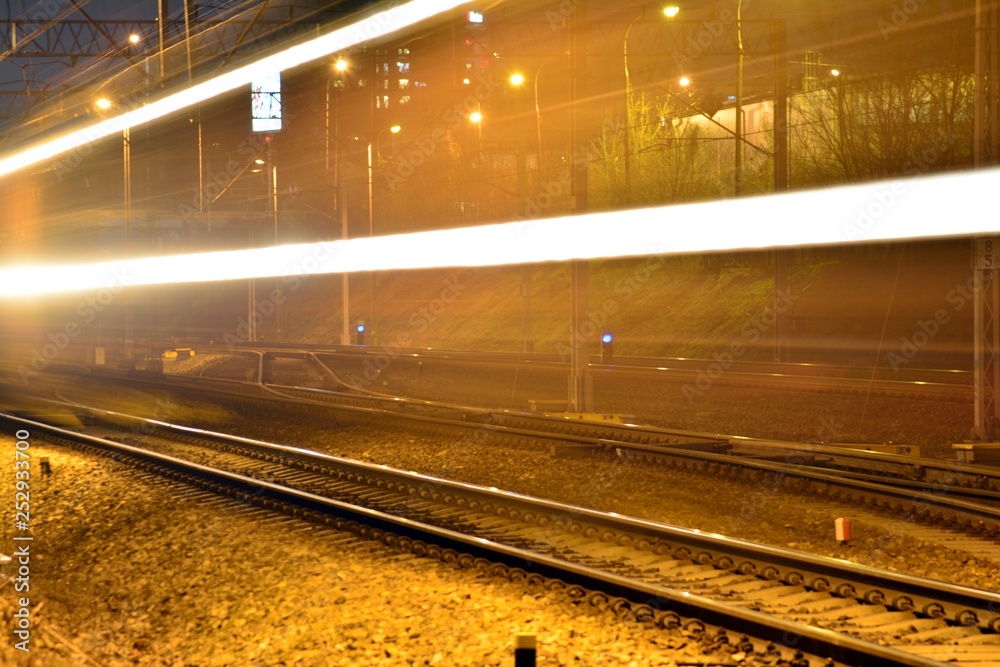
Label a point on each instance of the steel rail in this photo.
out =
(961, 604)
(932, 505)
(646, 598)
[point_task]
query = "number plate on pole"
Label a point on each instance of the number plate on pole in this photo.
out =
(988, 253)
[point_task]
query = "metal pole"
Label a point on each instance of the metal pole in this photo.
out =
(738, 167)
(339, 204)
(277, 281)
(580, 398)
(628, 111)
(345, 334)
(162, 13)
(986, 106)
(127, 198)
(371, 233)
(187, 37)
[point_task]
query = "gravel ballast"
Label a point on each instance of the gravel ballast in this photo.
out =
(132, 574)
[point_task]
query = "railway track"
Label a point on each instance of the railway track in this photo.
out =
(677, 564)
(937, 492)
(934, 384)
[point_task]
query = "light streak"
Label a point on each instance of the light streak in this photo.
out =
(375, 26)
(919, 208)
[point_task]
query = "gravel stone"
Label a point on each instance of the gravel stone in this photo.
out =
(132, 572)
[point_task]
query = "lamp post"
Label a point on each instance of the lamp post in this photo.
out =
(274, 213)
(476, 117)
(339, 67)
(738, 120)
(375, 151)
(670, 11)
(104, 104)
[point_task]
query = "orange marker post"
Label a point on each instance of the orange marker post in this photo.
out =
(842, 528)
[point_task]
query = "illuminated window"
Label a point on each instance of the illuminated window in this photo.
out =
(404, 99)
(403, 67)
(403, 83)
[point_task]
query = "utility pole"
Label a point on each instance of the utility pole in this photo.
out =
(580, 387)
(986, 133)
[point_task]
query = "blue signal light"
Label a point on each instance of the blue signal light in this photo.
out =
(606, 338)
(361, 328)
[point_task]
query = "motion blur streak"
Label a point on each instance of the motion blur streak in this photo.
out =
(928, 207)
(374, 26)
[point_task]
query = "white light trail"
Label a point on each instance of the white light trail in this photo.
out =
(380, 24)
(918, 208)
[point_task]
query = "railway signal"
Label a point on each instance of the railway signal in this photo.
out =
(607, 348)
(361, 333)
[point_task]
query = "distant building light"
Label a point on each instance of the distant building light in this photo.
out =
(474, 17)
(835, 72)
(731, 98)
(466, 82)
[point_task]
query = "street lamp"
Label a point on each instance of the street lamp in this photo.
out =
(738, 121)
(670, 11)
(339, 67)
(374, 151)
(103, 104)
(476, 117)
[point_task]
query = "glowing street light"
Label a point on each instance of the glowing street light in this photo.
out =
(476, 117)
(671, 11)
(103, 103)
(516, 79)
(684, 81)
(341, 65)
